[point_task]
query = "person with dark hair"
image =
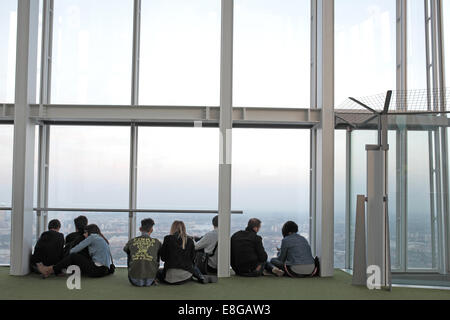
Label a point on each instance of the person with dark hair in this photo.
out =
(49, 248)
(74, 238)
(208, 244)
(178, 253)
(143, 256)
(248, 257)
(295, 256)
(100, 263)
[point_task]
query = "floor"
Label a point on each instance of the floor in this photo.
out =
(236, 288)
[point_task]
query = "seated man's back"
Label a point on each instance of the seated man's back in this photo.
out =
(247, 251)
(143, 255)
(49, 248)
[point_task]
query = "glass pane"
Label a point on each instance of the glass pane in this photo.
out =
(5, 236)
(8, 28)
(178, 168)
(114, 227)
(446, 35)
(270, 180)
(419, 212)
(92, 49)
(417, 61)
(272, 53)
(6, 164)
(180, 52)
(339, 197)
(365, 30)
(89, 167)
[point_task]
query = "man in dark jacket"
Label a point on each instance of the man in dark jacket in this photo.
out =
(49, 248)
(76, 237)
(248, 256)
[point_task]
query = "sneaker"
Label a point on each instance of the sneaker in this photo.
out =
(208, 279)
(266, 273)
(278, 272)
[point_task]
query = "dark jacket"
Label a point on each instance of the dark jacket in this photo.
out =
(143, 257)
(73, 239)
(49, 248)
(295, 250)
(174, 256)
(247, 251)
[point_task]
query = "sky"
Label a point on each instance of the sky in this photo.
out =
(180, 64)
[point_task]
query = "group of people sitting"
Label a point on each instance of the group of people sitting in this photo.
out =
(185, 258)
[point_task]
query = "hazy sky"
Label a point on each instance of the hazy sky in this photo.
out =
(180, 55)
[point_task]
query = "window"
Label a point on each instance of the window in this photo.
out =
(92, 49)
(6, 157)
(89, 167)
(365, 57)
(419, 227)
(8, 28)
(270, 181)
(178, 168)
(339, 197)
(417, 61)
(180, 53)
(446, 35)
(272, 53)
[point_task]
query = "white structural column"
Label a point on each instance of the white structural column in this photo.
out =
(226, 121)
(24, 132)
(324, 233)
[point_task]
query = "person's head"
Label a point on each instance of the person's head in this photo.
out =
(179, 229)
(80, 223)
(54, 225)
(93, 229)
(147, 225)
(254, 224)
(215, 222)
(289, 227)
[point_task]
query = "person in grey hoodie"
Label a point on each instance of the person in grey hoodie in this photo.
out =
(294, 257)
(208, 243)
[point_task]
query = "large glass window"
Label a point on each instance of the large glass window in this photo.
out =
(417, 61)
(272, 53)
(178, 168)
(365, 55)
(180, 52)
(89, 167)
(92, 49)
(339, 197)
(270, 181)
(419, 210)
(6, 160)
(8, 28)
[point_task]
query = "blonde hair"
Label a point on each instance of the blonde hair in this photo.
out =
(180, 228)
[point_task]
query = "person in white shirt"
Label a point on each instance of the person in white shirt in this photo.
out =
(208, 243)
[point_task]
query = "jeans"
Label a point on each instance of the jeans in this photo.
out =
(258, 270)
(86, 265)
(141, 282)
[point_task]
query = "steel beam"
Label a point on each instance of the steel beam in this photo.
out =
(24, 132)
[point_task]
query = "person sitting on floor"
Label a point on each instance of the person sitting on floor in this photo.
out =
(295, 256)
(248, 257)
(74, 238)
(208, 243)
(143, 256)
(178, 253)
(100, 263)
(49, 248)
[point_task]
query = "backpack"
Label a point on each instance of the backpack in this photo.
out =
(202, 258)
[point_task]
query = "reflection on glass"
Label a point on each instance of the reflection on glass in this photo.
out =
(272, 53)
(92, 49)
(89, 167)
(8, 28)
(270, 180)
(114, 227)
(365, 35)
(6, 164)
(178, 168)
(180, 52)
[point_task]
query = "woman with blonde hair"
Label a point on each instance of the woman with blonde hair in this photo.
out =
(178, 253)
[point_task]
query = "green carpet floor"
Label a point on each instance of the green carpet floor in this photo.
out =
(234, 288)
